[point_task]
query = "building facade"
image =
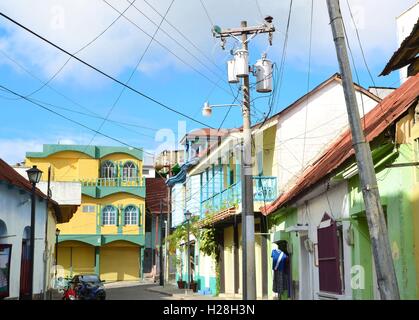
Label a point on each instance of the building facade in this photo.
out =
(106, 234)
(15, 226)
(283, 147)
(322, 217)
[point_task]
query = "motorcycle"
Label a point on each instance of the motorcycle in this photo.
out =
(90, 291)
(69, 292)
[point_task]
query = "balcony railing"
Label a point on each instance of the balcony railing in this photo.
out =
(264, 190)
(113, 182)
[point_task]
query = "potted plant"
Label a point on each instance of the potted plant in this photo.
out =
(194, 286)
(181, 284)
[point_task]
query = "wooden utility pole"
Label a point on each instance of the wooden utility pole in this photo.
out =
(386, 275)
(248, 218)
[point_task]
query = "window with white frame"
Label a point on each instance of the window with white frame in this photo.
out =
(131, 215)
(129, 170)
(88, 209)
(108, 169)
(109, 214)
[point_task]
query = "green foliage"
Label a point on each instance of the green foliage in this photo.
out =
(208, 244)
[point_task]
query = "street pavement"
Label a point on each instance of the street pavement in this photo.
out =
(135, 292)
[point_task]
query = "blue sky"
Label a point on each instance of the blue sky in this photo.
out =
(25, 127)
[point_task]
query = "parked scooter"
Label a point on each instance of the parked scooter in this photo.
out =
(90, 291)
(69, 292)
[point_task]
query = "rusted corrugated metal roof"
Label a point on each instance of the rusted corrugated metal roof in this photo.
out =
(406, 54)
(156, 191)
(376, 121)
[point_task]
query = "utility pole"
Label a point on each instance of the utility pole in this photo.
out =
(386, 275)
(248, 218)
(161, 282)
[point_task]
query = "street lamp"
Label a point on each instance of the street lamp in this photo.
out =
(57, 233)
(207, 108)
(188, 216)
(34, 175)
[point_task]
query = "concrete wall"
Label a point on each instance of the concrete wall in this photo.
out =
(335, 203)
(178, 204)
(326, 119)
(15, 211)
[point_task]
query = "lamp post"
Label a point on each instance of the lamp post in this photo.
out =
(57, 233)
(34, 175)
(207, 109)
(188, 216)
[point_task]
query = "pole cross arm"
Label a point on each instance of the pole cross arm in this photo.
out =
(223, 33)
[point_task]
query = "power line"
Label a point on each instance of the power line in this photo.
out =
(132, 73)
(202, 52)
(259, 9)
(129, 79)
(78, 51)
(72, 120)
(361, 47)
(104, 73)
(206, 12)
(177, 42)
(229, 109)
(308, 79)
(279, 78)
(90, 114)
(165, 47)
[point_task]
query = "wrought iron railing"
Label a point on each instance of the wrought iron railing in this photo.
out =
(264, 190)
(113, 182)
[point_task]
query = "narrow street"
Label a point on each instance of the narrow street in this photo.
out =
(137, 292)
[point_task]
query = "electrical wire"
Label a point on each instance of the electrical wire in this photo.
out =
(104, 73)
(308, 80)
(90, 114)
(177, 42)
(202, 52)
(259, 9)
(166, 48)
(206, 12)
(361, 47)
(123, 88)
(132, 74)
(77, 52)
(356, 72)
(229, 109)
(72, 120)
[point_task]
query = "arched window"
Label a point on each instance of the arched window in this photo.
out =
(109, 215)
(129, 170)
(131, 215)
(108, 169)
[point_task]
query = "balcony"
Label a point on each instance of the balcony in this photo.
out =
(102, 187)
(264, 190)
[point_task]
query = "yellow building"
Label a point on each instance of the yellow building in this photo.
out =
(106, 234)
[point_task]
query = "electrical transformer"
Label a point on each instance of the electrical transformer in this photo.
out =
(232, 77)
(263, 72)
(241, 63)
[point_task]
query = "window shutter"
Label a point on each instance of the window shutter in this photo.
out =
(139, 216)
(328, 255)
(123, 215)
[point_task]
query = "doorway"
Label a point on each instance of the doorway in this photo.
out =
(306, 292)
(25, 265)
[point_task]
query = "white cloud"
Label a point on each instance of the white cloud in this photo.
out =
(13, 150)
(72, 24)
